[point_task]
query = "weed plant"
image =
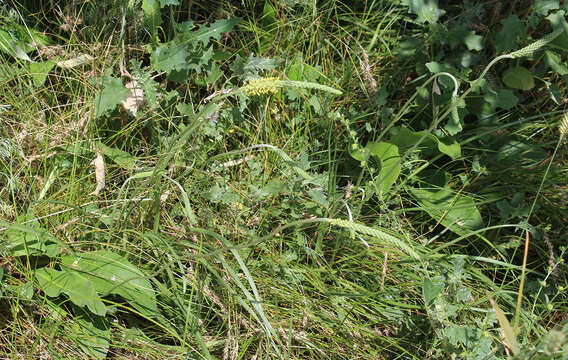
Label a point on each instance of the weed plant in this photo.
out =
(283, 179)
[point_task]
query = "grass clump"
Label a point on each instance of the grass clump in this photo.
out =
(291, 180)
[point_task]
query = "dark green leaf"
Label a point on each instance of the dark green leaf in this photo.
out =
(29, 239)
(506, 38)
(91, 332)
(518, 77)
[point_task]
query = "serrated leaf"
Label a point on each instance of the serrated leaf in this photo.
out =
(91, 332)
(426, 10)
(205, 33)
(506, 38)
(111, 273)
(113, 93)
(518, 77)
(456, 212)
(77, 287)
(170, 57)
(247, 69)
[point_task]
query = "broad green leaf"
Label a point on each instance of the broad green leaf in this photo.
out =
(111, 273)
(506, 38)
(554, 61)
(91, 332)
(542, 7)
(456, 212)
(121, 158)
(205, 33)
(448, 145)
(390, 164)
(516, 152)
(170, 57)
(426, 10)
(247, 69)
(518, 77)
(76, 286)
(112, 94)
(473, 42)
(405, 139)
(29, 239)
(151, 10)
(39, 71)
(431, 289)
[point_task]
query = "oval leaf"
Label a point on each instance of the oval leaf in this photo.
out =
(456, 212)
(111, 273)
(80, 290)
(518, 77)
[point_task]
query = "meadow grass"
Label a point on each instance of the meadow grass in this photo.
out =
(259, 231)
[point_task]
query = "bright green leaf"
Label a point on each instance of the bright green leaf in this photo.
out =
(426, 10)
(121, 158)
(205, 33)
(406, 138)
(554, 61)
(518, 77)
(390, 164)
(113, 93)
(542, 7)
(456, 212)
(39, 71)
(169, 57)
(111, 273)
(79, 289)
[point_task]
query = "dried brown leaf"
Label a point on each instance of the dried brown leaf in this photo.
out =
(99, 164)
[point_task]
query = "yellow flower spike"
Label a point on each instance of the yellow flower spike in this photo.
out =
(261, 86)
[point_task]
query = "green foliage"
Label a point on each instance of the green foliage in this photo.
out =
(352, 180)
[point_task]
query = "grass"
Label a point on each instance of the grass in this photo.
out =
(255, 227)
